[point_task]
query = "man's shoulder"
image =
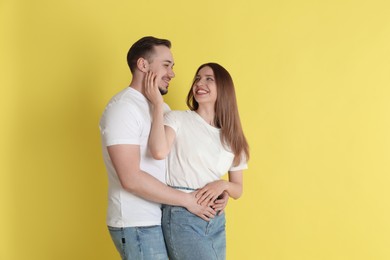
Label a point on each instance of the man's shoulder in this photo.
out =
(128, 97)
(125, 107)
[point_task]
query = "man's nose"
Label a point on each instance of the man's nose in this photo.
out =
(171, 73)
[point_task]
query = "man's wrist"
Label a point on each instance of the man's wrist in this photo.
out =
(186, 200)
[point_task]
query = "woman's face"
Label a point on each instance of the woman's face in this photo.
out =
(205, 87)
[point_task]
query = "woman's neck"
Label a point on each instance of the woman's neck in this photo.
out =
(207, 113)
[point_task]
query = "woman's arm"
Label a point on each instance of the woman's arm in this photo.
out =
(212, 190)
(160, 137)
(221, 203)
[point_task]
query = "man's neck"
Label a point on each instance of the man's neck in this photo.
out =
(137, 85)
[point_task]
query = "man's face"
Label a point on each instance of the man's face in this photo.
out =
(162, 64)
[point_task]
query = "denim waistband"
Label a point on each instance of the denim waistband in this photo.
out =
(182, 188)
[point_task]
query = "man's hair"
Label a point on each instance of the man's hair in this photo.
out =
(144, 48)
(226, 112)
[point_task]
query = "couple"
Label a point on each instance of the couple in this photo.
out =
(200, 145)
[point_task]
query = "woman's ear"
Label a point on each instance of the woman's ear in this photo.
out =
(143, 65)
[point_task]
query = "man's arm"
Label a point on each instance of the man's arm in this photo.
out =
(126, 161)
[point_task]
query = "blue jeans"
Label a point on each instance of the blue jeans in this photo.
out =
(139, 243)
(188, 237)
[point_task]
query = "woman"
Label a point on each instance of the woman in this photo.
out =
(203, 144)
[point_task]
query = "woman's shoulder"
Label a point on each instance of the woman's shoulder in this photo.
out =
(179, 116)
(180, 113)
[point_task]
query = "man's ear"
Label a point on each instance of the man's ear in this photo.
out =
(143, 65)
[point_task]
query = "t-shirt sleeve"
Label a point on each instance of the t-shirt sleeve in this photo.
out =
(243, 165)
(171, 120)
(166, 108)
(120, 125)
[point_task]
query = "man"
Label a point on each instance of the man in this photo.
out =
(136, 180)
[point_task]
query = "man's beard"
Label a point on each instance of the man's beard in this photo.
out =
(163, 91)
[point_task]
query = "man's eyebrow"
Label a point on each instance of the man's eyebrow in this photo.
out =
(169, 61)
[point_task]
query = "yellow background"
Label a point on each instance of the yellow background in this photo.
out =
(313, 86)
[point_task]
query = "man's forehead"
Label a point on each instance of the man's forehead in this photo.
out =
(163, 60)
(168, 61)
(163, 53)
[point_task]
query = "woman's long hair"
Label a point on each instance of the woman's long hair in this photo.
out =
(226, 112)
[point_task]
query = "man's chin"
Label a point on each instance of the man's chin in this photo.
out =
(163, 91)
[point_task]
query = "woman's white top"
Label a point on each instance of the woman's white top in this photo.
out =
(197, 156)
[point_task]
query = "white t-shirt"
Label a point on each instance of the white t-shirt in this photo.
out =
(197, 155)
(127, 120)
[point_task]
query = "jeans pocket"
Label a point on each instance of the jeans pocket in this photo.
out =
(118, 237)
(114, 229)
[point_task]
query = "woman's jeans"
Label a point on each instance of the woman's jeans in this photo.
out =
(187, 236)
(140, 243)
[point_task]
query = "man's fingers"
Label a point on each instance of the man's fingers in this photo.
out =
(204, 197)
(211, 211)
(205, 218)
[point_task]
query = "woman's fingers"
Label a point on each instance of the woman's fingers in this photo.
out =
(207, 197)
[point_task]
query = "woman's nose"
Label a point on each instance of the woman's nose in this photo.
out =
(199, 82)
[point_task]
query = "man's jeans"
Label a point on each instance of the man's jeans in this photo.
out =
(140, 243)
